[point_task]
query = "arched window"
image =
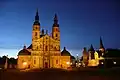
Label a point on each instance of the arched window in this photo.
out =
(56, 35)
(37, 47)
(34, 61)
(56, 29)
(36, 28)
(54, 48)
(56, 61)
(46, 48)
(35, 33)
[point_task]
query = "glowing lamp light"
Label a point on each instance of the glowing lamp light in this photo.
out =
(79, 63)
(24, 63)
(77, 54)
(71, 63)
(114, 62)
(67, 62)
(101, 62)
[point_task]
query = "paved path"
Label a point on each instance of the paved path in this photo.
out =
(60, 75)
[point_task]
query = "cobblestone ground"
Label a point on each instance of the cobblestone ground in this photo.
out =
(55, 74)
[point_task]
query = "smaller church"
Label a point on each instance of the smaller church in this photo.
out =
(92, 57)
(44, 51)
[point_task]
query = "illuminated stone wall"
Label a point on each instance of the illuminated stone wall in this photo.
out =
(95, 61)
(65, 61)
(24, 61)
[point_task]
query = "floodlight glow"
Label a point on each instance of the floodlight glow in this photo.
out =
(67, 62)
(24, 63)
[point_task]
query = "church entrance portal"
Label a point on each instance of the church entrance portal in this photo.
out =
(46, 64)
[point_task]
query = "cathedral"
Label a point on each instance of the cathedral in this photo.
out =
(44, 51)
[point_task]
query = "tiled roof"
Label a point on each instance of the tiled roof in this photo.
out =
(65, 52)
(24, 52)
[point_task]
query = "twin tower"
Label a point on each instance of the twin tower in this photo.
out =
(36, 33)
(44, 51)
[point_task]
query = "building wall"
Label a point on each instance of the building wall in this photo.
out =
(40, 54)
(45, 49)
(95, 61)
(37, 62)
(23, 62)
(65, 61)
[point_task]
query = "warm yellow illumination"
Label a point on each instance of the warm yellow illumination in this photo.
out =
(67, 62)
(24, 63)
(71, 63)
(40, 48)
(79, 64)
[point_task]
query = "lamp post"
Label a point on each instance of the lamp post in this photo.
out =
(77, 61)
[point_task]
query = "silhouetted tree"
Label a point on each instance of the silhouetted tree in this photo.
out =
(11, 61)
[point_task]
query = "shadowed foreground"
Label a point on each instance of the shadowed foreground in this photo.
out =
(55, 74)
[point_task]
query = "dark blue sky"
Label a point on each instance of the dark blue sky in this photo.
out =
(82, 22)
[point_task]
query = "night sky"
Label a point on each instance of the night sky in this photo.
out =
(82, 22)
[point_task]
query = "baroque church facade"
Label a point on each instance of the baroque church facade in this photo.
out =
(44, 52)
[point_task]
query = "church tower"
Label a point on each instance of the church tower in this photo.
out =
(101, 45)
(85, 56)
(55, 29)
(102, 49)
(91, 52)
(36, 32)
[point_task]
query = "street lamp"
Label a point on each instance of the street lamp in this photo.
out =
(102, 63)
(77, 54)
(77, 61)
(114, 62)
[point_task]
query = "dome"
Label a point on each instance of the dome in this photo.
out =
(24, 52)
(65, 52)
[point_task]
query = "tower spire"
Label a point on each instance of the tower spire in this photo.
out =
(91, 48)
(101, 43)
(36, 18)
(55, 21)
